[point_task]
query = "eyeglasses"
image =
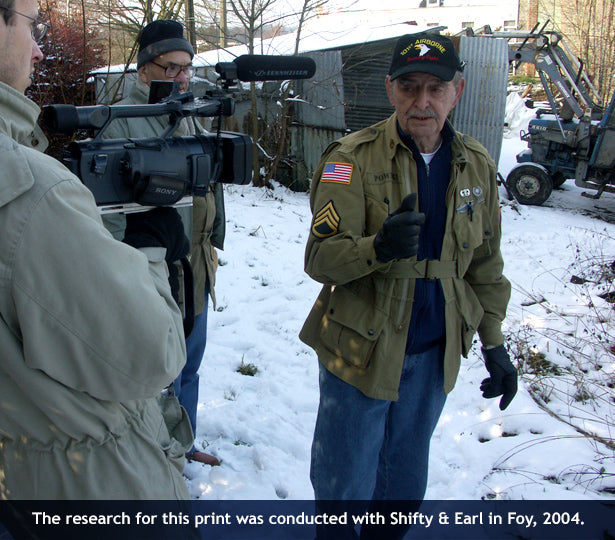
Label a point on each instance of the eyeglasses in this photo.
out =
(172, 70)
(38, 28)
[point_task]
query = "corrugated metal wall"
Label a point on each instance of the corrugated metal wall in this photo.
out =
(365, 68)
(319, 115)
(481, 110)
(111, 87)
(346, 94)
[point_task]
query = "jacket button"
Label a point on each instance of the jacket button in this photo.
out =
(487, 233)
(34, 142)
(370, 332)
(465, 245)
(331, 311)
(369, 262)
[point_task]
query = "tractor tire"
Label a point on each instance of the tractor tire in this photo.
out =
(558, 179)
(530, 184)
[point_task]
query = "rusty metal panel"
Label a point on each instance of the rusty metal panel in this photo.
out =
(480, 112)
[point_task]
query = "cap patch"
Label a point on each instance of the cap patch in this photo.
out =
(326, 221)
(425, 52)
(340, 173)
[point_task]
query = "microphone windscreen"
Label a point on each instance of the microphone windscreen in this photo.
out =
(255, 67)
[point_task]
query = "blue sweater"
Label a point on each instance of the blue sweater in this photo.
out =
(427, 326)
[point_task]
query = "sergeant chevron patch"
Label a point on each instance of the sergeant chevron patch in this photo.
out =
(326, 221)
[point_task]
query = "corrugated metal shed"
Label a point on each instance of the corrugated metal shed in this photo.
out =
(365, 69)
(319, 115)
(482, 107)
(322, 97)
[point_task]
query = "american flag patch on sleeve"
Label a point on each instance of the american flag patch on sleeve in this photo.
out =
(340, 173)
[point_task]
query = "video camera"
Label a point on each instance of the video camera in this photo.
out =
(126, 174)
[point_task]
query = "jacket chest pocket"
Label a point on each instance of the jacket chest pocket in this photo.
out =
(376, 212)
(471, 226)
(351, 327)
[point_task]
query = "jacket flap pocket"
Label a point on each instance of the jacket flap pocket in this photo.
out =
(356, 312)
(351, 327)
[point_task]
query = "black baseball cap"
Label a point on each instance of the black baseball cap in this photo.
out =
(425, 52)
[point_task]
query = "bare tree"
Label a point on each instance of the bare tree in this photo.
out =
(589, 27)
(251, 14)
(122, 21)
(257, 20)
(308, 9)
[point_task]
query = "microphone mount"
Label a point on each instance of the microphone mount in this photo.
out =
(228, 74)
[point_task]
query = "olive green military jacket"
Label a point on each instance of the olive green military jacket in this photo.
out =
(359, 323)
(205, 222)
(89, 337)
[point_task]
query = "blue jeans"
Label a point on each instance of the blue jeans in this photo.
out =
(369, 449)
(186, 385)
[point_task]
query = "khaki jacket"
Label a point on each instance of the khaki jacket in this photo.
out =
(89, 337)
(359, 323)
(205, 221)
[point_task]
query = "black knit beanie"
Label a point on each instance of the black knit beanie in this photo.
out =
(161, 37)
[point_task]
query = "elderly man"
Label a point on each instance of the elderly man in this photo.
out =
(406, 240)
(164, 55)
(89, 332)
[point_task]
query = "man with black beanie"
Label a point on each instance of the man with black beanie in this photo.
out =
(165, 55)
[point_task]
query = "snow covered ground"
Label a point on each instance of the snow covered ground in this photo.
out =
(261, 426)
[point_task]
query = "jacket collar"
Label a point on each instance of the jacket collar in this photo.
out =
(394, 140)
(447, 135)
(139, 91)
(18, 116)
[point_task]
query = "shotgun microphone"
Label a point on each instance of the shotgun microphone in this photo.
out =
(262, 67)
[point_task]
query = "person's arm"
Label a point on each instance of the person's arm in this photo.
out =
(340, 247)
(485, 273)
(485, 276)
(94, 314)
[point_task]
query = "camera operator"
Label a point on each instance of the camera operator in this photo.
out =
(90, 334)
(164, 55)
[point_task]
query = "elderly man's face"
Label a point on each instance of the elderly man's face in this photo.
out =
(20, 53)
(422, 102)
(156, 70)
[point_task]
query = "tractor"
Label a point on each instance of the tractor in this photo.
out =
(575, 137)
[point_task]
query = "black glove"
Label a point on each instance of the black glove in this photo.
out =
(399, 236)
(503, 380)
(160, 227)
